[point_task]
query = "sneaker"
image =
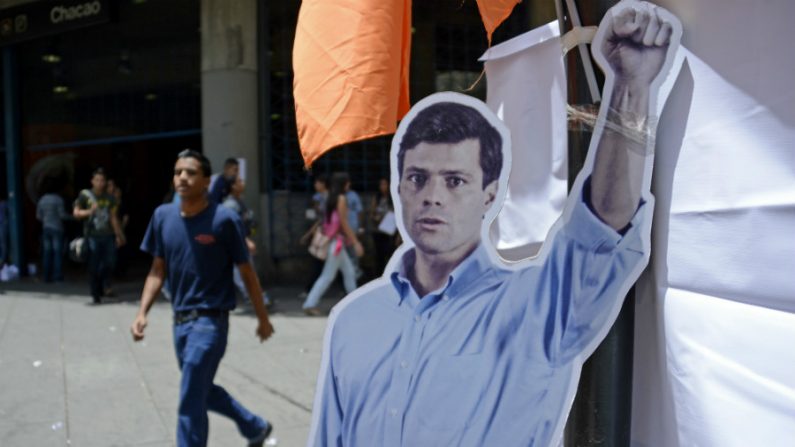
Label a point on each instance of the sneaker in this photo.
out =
(313, 312)
(260, 439)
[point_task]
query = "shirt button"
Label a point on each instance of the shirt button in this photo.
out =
(417, 318)
(393, 412)
(404, 364)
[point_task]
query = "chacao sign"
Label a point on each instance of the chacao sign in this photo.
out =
(38, 19)
(63, 13)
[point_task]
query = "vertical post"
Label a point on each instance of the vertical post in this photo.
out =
(13, 158)
(602, 411)
(265, 133)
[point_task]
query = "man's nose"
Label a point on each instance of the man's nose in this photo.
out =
(434, 192)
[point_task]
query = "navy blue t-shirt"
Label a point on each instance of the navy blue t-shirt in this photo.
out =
(200, 252)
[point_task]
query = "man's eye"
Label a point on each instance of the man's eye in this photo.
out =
(454, 182)
(417, 179)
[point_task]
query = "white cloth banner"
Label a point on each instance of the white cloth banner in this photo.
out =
(527, 90)
(715, 328)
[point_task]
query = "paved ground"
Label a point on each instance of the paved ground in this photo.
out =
(71, 375)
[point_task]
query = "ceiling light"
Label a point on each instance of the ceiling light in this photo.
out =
(51, 58)
(60, 89)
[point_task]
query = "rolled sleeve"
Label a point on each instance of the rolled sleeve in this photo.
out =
(585, 227)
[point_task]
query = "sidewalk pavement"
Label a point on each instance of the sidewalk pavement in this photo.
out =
(70, 373)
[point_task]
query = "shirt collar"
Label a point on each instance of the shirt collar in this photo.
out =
(470, 270)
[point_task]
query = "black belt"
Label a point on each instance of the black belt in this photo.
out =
(185, 316)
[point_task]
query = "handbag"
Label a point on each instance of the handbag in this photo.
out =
(78, 250)
(319, 245)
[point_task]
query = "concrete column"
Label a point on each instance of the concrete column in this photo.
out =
(229, 90)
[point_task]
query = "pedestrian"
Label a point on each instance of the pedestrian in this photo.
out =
(341, 235)
(234, 201)
(355, 210)
(120, 261)
(221, 184)
(101, 229)
(50, 211)
(383, 241)
(315, 213)
(195, 245)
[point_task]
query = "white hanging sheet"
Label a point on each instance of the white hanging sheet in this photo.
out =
(715, 328)
(526, 85)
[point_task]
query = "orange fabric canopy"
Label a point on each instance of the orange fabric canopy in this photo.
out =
(351, 64)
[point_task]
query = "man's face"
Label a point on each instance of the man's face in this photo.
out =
(189, 180)
(231, 171)
(442, 195)
(99, 182)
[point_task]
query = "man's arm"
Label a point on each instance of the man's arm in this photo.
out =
(154, 281)
(327, 416)
(80, 211)
(264, 329)
(635, 47)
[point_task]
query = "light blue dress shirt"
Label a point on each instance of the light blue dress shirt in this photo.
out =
(486, 360)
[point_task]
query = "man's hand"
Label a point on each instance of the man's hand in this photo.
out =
(264, 329)
(636, 43)
(137, 327)
(120, 240)
(252, 247)
(358, 249)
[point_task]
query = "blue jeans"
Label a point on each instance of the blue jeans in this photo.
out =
(3, 241)
(333, 264)
(52, 252)
(200, 344)
(101, 257)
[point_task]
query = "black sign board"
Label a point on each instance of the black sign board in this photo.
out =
(44, 18)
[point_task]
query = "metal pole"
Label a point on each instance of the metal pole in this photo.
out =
(602, 411)
(265, 135)
(13, 158)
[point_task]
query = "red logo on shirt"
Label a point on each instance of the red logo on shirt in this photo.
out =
(205, 239)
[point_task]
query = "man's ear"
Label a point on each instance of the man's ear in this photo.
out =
(491, 193)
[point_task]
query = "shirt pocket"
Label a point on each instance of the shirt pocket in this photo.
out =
(448, 392)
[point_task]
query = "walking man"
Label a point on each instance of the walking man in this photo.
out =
(101, 229)
(196, 244)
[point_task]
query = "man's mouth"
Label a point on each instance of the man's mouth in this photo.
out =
(430, 223)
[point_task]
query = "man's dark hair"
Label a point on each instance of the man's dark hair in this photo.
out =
(198, 156)
(322, 179)
(99, 171)
(450, 123)
(231, 161)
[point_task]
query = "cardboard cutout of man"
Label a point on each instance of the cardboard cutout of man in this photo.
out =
(453, 347)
